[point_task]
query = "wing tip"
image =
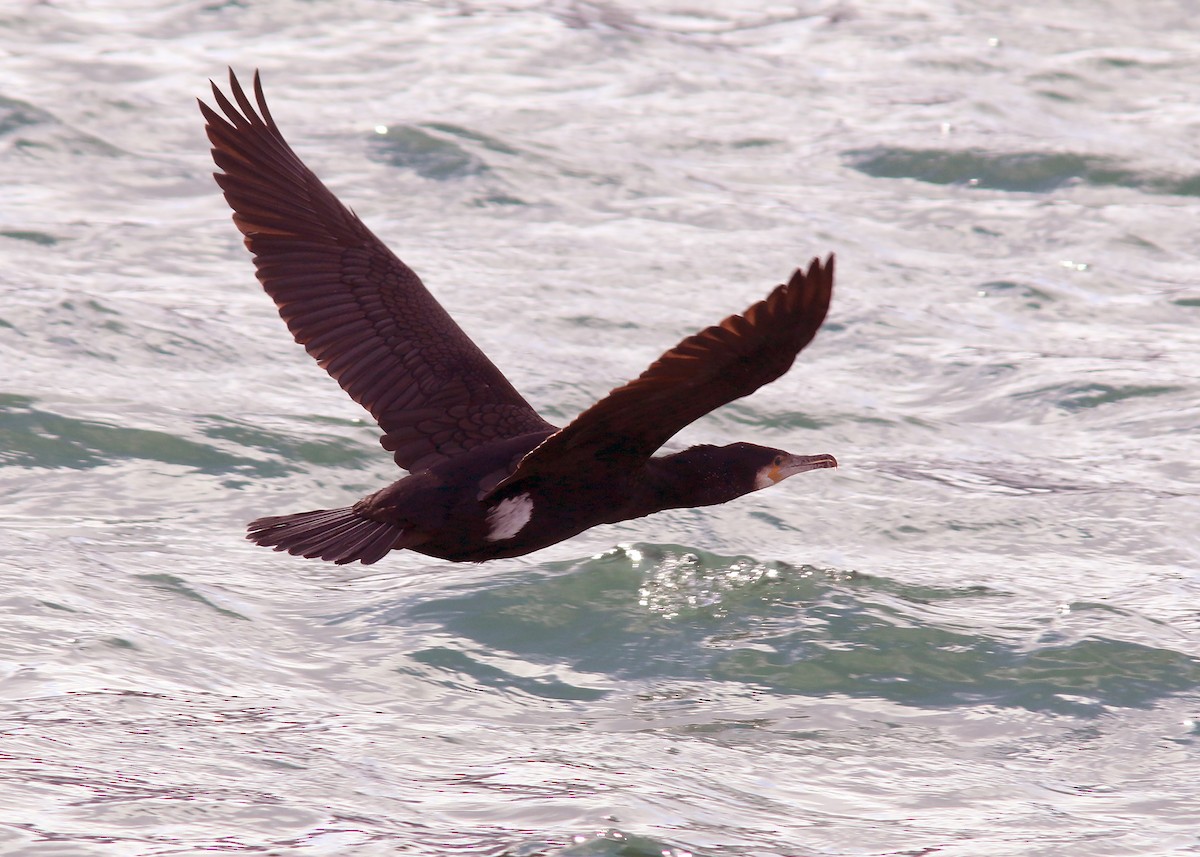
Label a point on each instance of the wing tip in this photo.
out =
(245, 111)
(817, 271)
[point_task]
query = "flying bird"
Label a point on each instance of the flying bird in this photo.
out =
(487, 476)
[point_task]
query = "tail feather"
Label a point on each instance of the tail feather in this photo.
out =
(334, 535)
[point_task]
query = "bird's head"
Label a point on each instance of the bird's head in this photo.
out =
(773, 465)
(706, 475)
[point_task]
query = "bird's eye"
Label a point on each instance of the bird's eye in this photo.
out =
(778, 460)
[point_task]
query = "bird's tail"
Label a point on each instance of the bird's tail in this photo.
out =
(334, 535)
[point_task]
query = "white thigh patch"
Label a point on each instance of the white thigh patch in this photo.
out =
(508, 517)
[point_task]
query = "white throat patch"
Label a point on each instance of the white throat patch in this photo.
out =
(509, 517)
(765, 477)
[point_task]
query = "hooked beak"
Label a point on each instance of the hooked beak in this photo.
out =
(794, 464)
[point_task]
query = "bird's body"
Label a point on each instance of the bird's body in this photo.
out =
(488, 477)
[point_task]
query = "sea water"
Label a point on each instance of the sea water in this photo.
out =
(978, 636)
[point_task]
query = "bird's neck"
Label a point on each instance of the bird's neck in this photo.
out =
(698, 476)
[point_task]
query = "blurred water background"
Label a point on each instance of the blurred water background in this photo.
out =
(979, 636)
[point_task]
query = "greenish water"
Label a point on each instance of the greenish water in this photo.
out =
(977, 636)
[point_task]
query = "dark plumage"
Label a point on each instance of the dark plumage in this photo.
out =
(489, 478)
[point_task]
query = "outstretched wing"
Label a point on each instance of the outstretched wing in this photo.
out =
(708, 369)
(361, 312)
